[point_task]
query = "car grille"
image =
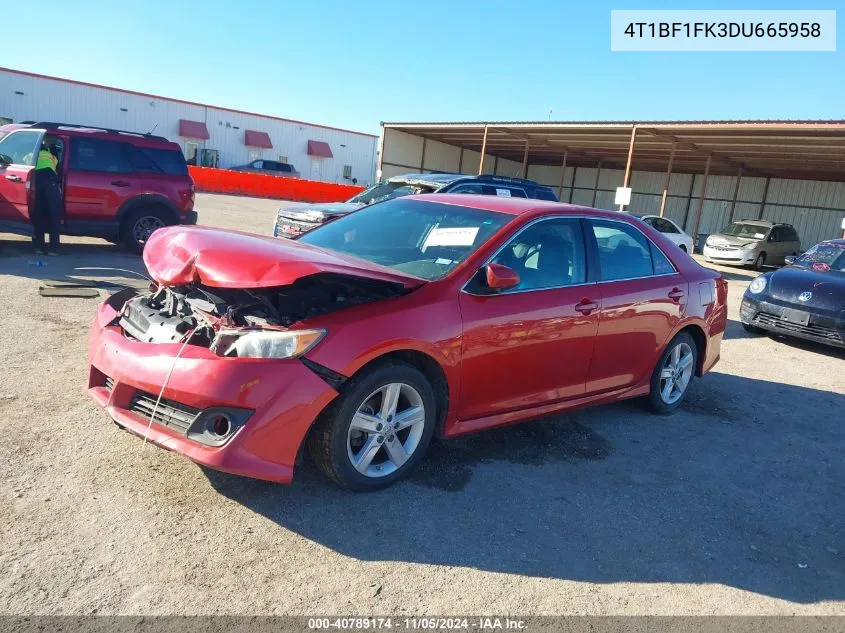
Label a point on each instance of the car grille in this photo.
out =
(769, 320)
(723, 248)
(171, 414)
(108, 383)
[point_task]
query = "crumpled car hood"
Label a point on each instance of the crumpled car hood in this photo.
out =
(181, 255)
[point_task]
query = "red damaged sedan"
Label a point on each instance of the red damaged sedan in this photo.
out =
(417, 316)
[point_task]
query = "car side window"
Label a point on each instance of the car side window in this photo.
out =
(19, 147)
(258, 164)
(284, 167)
(624, 252)
(774, 236)
(88, 154)
(664, 226)
(662, 265)
(548, 254)
(791, 235)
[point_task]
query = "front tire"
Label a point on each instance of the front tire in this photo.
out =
(673, 374)
(377, 430)
(759, 262)
(140, 225)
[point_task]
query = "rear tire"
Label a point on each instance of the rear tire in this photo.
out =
(673, 374)
(354, 442)
(140, 224)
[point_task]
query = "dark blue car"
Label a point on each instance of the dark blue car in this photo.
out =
(806, 299)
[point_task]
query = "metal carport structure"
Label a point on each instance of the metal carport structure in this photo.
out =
(700, 173)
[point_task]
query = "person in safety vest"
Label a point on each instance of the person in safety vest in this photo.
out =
(49, 206)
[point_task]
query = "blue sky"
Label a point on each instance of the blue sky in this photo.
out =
(354, 64)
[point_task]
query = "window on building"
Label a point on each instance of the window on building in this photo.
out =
(254, 155)
(283, 159)
(347, 172)
(96, 155)
(191, 149)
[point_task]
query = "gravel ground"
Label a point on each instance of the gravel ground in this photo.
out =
(734, 505)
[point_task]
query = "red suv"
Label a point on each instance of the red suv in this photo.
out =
(436, 314)
(117, 185)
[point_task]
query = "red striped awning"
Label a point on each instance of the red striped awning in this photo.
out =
(193, 129)
(319, 149)
(258, 139)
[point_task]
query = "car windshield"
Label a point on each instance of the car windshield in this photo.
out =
(740, 229)
(387, 190)
(824, 256)
(421, 238)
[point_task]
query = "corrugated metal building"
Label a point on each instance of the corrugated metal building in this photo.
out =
(791, 172)
(318, 152)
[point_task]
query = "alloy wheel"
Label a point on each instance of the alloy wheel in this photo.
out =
(144, 227)
(386, 430)
(676, 373)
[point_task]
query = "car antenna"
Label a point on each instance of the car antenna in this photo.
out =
(153, 130)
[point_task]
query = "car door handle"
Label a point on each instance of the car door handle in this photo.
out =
(120, 183)
(586, 306)
(675, 294)
(14, 178)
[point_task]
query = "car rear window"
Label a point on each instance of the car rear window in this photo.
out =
(157, 160)
(544, 194)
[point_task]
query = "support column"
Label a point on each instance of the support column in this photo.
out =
(380, 155)
(422, 159)
(701, 201)
(572, 188)
(562, 176)
(461, 161)
(628, 164)
(765, 195)
(525, 161)
(668, 179)
(596, 185)
(483, 151)
(736, 193)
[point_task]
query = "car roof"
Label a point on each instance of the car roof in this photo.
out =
(442, 178)
(138, 138)
(515, 206)
(835, 242)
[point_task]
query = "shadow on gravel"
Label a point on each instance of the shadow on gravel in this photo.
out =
(18, 259)
(741, 487)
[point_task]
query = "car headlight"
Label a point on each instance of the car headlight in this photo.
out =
(749, 247)
(265, 343)
(303, 215)
(708, 241)
(758, 285)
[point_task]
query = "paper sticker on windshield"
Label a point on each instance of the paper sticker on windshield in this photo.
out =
(759, 236)
(505, 193)
(456, 236)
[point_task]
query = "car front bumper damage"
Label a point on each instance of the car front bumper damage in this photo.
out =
(788, 320)
(277, 400)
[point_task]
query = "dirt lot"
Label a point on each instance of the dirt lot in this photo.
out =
(733, 505)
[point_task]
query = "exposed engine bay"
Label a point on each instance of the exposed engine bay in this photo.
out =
(167, 314)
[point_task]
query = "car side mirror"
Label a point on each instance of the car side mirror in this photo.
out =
(790, 259)
(500, 277)
(771, 238)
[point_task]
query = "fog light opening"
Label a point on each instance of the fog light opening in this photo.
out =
(220, 425)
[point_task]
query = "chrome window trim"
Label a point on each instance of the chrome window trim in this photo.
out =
(546, 218)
